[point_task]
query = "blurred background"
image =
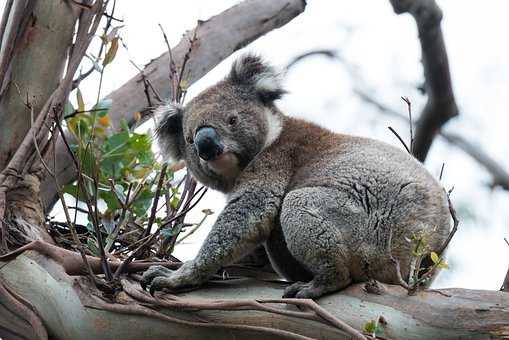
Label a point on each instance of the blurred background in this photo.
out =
(377, 53)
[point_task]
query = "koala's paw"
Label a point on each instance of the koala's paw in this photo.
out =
(159, 277)
(304, 290)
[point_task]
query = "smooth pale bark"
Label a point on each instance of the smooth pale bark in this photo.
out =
(34, 67)
(462, 314)
(216, 39)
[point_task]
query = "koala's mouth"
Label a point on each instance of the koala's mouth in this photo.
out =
(226, 164)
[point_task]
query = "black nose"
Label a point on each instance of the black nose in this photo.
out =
(207, 143)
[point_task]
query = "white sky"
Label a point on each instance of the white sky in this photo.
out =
(384, 49)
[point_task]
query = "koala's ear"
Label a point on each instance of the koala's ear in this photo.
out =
(169, 130)
(252, 70)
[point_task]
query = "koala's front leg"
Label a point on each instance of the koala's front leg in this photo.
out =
(245, 222)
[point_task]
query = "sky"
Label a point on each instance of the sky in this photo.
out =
(381, 55)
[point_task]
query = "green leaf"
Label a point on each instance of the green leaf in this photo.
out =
(88, 160)
(207, 212)
(374, 328)
(79, 99)
(112, 34)
(81, 126)
(107, 221)
(112, 52)
(119, 190)
(370, 326)
(443, 265)
(123, 124)
(170, 232)
(71, 189)
(102, 107)
(110, 200)
(143, 202)
(92, 246)
(68, 109)
(434, 257)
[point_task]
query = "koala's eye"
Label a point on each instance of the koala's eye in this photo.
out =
(232, 120)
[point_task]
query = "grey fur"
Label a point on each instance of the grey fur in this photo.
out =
(329, 208)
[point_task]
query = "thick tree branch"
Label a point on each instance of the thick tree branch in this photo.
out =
(443, 314)
(34, 31)
(441, 105)
(216, 39)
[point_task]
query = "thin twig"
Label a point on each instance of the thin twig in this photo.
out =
(155, 201)
(400, 139)
(410, 123)
(152, 238)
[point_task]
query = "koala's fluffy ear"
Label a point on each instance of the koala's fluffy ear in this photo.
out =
(169, 130)
(253, 71)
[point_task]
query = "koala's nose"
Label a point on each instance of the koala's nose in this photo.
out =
(207, 143)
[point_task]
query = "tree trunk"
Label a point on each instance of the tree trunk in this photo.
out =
(35, 42)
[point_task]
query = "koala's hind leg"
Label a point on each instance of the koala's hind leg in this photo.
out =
(313, 222)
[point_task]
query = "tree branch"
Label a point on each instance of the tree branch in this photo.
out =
(441, 314)
(216, 39)
(441, 104)
(27, 40)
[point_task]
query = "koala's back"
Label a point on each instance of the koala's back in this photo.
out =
(387, 194)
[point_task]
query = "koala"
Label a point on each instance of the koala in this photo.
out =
(329, 208)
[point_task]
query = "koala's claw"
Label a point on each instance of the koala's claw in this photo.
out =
(302, 290)
(293, 289)
(152, 273)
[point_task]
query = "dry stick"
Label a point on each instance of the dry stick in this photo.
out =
(400, 139)
(172, 67)
(186, 206)
(76, 82)
(147, 84)
(409, 105)
(184, 63)
(155, 201)
(72, 227)
(456, 222)
(189, 193)
(193, 230)
(505, 284)
(123, 220)
(441, 171)
(77, 164)
(329, 53)
(150, 240)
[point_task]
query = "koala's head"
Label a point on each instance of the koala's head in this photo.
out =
(221, 131)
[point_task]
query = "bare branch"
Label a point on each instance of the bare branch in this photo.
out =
(331, 54)
(441, 104)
